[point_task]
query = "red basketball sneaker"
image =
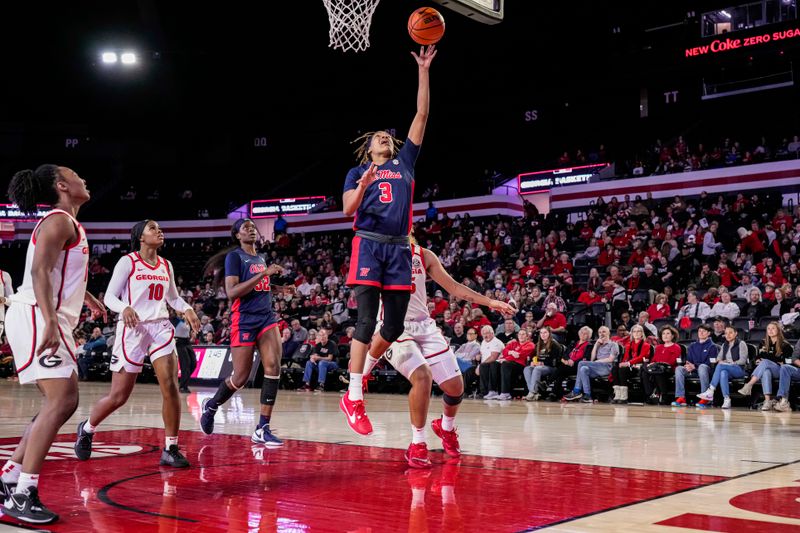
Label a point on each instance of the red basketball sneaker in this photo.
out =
(365, 382)
(449, 438)
(355, 414)
(417, 456)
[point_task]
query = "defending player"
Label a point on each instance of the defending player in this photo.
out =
(379, 192)
(253, 322)
(423, 355)
(39, 325)
(142, 285)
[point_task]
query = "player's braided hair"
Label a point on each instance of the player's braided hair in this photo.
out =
(31, 187)
(362, 151)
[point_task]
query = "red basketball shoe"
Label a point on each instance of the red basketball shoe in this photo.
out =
(356, 415)
(449, 438)
(417, 456)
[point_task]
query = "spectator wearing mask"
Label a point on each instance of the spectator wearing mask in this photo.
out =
(768, 364)
(604, 353)
(547, 356)
(513, 362)
(698, 364)
(731, 363)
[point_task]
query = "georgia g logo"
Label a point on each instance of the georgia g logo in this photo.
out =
(50, 361)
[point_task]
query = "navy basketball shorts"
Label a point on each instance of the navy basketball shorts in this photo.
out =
(247, 328)
(383, 265)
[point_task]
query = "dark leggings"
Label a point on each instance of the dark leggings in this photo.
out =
(563, 372)
(622, 374)
(395, 304)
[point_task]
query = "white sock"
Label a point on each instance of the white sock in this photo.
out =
(417, 497)
(369, 364)
(354, 389)
(418, 435)
(448, 494)
(448, 422)
(11, 472)
(170, 441)
(27, 481)
(88, 427)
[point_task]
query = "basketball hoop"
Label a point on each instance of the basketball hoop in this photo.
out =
(350, 21)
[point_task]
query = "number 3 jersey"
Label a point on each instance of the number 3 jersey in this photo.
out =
(386, 207)
(144, 287)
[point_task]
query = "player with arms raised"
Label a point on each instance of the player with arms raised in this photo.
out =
(379, 192)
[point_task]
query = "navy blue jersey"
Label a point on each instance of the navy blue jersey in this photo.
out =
(387, 204)
(245, 266)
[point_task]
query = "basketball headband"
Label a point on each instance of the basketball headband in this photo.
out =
(238, 225)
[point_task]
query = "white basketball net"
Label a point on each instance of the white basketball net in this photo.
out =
(350, 20)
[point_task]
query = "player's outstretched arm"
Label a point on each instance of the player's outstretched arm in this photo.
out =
(424, 59)
(437, 272)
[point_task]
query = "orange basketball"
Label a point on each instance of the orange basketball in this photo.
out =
(426, 26)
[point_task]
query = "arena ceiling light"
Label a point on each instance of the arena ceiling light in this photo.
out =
(127, 58)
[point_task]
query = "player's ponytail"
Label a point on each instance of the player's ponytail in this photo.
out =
(215, 266)
(28, 188)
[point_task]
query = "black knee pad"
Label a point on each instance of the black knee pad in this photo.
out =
(365, 329)
(391, 332)
(269, 390)
(452, 400)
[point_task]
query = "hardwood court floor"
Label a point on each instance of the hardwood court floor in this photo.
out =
(526, 466)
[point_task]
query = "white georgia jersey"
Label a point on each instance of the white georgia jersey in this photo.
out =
(68, 278)
(418, 304)
(6, 290)
(144, 287)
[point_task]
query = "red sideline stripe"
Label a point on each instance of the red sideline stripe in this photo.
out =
(726, 524)
(61, 287)
(33, 343)
(724, 180)
(398, 287)
(64, 340)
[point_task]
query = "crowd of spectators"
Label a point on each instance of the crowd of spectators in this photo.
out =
(632, 265)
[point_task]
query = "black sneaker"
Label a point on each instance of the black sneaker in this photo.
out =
(586, 399)
(173, 457)
(83, 446)
(207, 418)
(7, 489)
(28, 508)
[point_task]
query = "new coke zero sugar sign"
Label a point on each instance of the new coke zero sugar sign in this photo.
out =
(728, 44)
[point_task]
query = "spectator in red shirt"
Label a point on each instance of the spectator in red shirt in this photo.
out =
(606, 256)
(637, 256)
(666, 356)
(751, 243)
(637, 352)
(555, 320)
(659, 308)
(513, 361)
(531, 270)
(440, 305)
(590, 297)
(478, 320)
(563, 266)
